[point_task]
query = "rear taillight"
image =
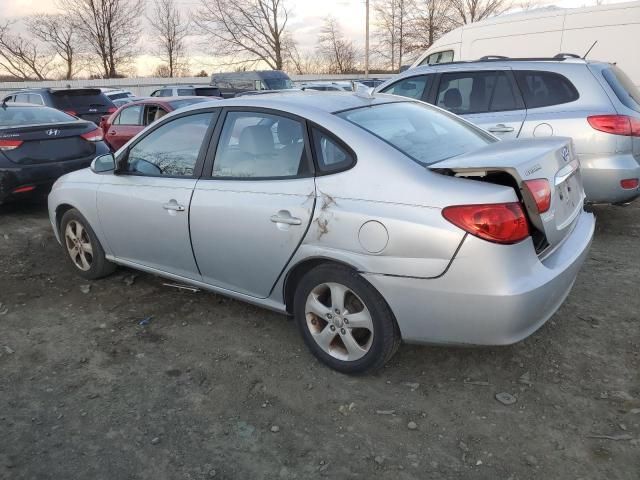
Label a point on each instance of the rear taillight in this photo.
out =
(541, 193)
(111, 110)
(629, 183)
(616, 124)
(9, 144)
(495, 222)
(71, 112)
(94, 135)
(24, 189)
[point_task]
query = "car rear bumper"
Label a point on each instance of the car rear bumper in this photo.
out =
(601, 176)
(491, 295)
(41, 175)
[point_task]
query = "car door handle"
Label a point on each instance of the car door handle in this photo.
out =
(501, 128)
(173, 205)
(286, 218)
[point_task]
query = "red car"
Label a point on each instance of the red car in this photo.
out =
(132, 118)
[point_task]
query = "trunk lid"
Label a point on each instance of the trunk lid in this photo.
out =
(49, 143)
(551, 159)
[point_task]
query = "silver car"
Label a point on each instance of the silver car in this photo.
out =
(592, 102)
(371, 220)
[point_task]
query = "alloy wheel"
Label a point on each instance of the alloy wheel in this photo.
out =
(339, 321)
(78, 245)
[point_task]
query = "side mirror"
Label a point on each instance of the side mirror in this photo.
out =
(103, 163)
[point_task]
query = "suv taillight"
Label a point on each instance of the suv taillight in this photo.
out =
(541, 193)
(616, 124)
(496, 222)
(94, 135)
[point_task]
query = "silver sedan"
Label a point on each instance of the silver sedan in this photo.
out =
(370, 219)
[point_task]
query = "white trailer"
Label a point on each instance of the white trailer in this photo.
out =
(546, 32)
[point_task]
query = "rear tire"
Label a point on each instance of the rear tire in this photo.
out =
(83, 247)
(344, 321)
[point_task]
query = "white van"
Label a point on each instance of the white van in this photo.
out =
(546, 32)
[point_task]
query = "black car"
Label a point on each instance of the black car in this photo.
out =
(39, 144)
(85, 103)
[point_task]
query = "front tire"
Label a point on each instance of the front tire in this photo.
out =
(83, 247)
(344, 321)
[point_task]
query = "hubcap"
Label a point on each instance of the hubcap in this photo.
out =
(339, 321)
(78, 245)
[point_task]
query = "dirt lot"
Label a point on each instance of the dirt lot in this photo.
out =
(213, 388)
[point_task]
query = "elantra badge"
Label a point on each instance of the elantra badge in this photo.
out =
(565, 154)
(52, 132)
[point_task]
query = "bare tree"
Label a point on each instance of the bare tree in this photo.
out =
(304, 62)
(431, 20)
(22, 58)
(248, 32)
(339, 53)
(110, 27)
(392, 20)
(468, 11)
(58, 32)
(170, 29)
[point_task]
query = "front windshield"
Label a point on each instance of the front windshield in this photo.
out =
(278, 83)
(425, 134)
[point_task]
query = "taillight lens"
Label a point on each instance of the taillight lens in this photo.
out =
(541, 193)
(94, 135)
(496, 222)
(629, 183)
(616, 124)
(9, 144)
(71, 112)
(24, 189)
(111, 110)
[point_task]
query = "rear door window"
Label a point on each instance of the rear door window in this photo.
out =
(476, 92)
(623, 87)
(81, 99)
(543, 89)
(438, 57)
(412, 87)
(185, 92)
(129, 116)
(22, 98)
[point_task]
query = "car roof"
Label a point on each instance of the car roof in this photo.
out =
(327, 102)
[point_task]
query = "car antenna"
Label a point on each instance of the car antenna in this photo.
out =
(591, 48)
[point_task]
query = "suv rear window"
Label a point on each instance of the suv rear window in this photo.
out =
(207, 92)
(67, 99)
(542, 89)
(623, 87)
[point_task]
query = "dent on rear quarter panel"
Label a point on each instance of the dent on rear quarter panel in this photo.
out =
(420, 242)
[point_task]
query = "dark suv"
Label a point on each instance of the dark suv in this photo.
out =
(85, 103)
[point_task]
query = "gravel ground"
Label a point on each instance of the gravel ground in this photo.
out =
(214, 388)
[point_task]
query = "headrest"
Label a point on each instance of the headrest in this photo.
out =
(452, 98)
(256, 140)
(289, 131)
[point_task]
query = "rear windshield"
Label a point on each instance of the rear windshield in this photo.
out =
(18, 116)
(116, 96)
(176, 104)
(423, 133)
(625, 90)
(208, 92)
(80, 98)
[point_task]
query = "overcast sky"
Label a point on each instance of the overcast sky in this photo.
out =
(305, 22)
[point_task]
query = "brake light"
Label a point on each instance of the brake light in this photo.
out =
(541, 193)
(629, 183)
(24, 189)
(9, 144)
(71, 112)
(94, 135)
(616, 124)
(496, 222)
(111, 110)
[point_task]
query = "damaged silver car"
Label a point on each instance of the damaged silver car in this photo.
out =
(370, 220)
